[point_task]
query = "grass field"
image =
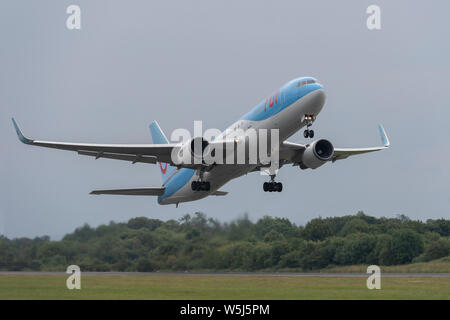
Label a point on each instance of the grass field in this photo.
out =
(436, 266)
(181, 286)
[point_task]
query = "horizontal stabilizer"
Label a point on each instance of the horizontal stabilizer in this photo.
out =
(133, 192)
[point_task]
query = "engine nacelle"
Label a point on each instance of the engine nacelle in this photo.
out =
(191, 152)
(316, 154)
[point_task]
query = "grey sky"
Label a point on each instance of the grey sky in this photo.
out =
(180, 61)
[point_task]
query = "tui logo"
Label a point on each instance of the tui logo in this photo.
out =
(163, 170)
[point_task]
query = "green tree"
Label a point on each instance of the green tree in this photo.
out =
(144, 265)
(406, 245)
(143, 222)
(317, 229)
(437, 249)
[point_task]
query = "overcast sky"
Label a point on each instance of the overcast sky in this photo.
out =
(180, 61)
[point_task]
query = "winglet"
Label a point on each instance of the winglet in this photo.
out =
(22, 138)
(383, 135)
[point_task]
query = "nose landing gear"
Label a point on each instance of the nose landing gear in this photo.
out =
(272, 186)
(309, 119)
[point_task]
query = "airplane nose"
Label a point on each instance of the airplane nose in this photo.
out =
(319, 97)
(316, 100)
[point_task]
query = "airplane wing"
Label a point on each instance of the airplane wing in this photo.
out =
(132, 192)
(293, 152)
(147, 153)
(343, 153)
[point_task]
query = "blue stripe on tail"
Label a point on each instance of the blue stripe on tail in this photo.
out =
(158, 137)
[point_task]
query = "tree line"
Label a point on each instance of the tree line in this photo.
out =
(196, 242)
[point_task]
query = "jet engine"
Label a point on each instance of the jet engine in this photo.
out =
(191, 152)
(316, 154)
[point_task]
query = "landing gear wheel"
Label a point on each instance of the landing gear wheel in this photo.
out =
(200, 186)
(272, 186)
(279, 187)
(306, 133)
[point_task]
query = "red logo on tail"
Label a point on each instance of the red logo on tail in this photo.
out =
(163, 170)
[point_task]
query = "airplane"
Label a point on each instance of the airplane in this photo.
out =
(293, 106)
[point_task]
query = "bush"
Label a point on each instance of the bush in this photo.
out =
(196, 242)
(144, 265)
(406, 245)
(437, 249)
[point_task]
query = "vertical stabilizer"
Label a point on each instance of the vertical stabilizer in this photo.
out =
(159, 137)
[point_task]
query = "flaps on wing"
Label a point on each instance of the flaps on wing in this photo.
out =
(132, 192)
(118, 156)
(343, 153)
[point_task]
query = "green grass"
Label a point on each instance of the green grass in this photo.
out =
(189, 286)
(436, 266)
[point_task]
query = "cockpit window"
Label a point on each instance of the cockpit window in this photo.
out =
(301, 83)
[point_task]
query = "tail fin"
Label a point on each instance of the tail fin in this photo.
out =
(159, 137)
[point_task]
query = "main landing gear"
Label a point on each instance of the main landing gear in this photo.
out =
(309, 121)
(272, 186)
(200, 186)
